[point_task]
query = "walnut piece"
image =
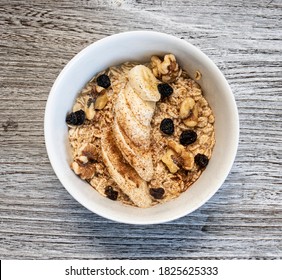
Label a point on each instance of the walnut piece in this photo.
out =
(192, 119)
(85, 163)
(187, 157)
(167, 69)
(188, 160)
(168, 161)
(85, 171)
(89, 108)
(89, 151)
(186, 107)
(101, 101)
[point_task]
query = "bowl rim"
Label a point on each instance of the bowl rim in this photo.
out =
(48, 126)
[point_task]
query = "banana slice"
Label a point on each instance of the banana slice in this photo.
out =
(142, 110)
(144, 83)
(123, 174)
(137, 132)
(140, 159)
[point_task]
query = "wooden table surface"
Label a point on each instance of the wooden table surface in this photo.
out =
(40, 220)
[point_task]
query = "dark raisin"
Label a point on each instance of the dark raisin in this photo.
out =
(71, 118)
(165, 90)
(187, 137)
(103, 81)
(157, 193)
(167, 126)
(76, 118)
(80, 115)
(111, 193)
(201, 160)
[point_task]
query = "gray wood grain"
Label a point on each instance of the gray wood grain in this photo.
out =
(40, 220)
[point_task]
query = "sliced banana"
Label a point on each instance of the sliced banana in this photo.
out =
(137, 132)
(123, 174)
(139, 158)
(131, 129)
(144, 83)
(142, 110)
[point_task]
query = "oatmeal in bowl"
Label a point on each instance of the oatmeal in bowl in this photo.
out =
(141, 133)
(141, 127)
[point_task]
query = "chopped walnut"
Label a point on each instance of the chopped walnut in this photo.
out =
(192, 119)
(184, 158)
(82, 159)
(101, 101)
(188, 160)
(167, 70)
(85, 164)
(178, 160)
(186, 107)
(176, 147)
(85, 171)
(169, 162)
(89, 109)
(89, 151)
(99, 89)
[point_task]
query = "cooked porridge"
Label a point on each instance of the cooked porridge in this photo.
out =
(141, 133)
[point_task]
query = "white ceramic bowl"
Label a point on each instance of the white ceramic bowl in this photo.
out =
(140, 45)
